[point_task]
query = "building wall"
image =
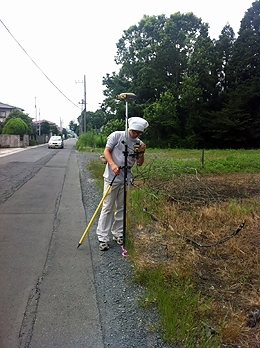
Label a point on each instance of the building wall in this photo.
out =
(6, 111)
(14, 140)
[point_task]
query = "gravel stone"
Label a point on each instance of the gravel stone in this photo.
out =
(125, 324)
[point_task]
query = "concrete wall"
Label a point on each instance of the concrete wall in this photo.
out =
(14, 140)
(42, 139)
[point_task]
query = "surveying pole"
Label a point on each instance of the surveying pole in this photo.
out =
(125, 97)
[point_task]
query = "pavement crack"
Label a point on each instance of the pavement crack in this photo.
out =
(30, 314)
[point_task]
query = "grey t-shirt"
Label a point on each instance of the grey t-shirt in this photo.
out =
(116, 142)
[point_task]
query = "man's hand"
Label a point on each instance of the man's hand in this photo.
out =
(142, 147)
(141, 151)
(115, 168)
(108, 156)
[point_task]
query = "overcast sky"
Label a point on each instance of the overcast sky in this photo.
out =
(70, 39)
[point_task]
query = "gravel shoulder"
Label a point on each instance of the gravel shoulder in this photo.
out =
(124, 322)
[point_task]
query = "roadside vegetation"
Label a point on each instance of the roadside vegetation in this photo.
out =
(193, 233)
(193, 237)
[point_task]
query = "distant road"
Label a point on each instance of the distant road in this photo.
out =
(47, 293)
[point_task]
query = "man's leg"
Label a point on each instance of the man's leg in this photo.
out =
(117, 227)
(106, 215)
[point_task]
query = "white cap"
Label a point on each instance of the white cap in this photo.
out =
(137, 123)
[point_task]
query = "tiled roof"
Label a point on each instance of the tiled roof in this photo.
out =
(6, 106)
(40, 121)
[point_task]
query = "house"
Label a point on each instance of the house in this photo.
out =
(41, 121)
(41, 137)
(5, 110)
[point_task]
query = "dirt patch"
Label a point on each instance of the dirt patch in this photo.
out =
(235, 185)
(207, 209)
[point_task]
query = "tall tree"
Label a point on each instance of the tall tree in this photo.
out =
(246, 53)
(243, 106)
(45, 128)
(73, 125)
(154, 57)
(224, 50)
(164, 129)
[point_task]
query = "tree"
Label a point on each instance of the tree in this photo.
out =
(196, 92)
(246, 58)
(238, 121)
(45, 128)
(25, 117)
(224, 50)
(15, 126)
(164, 129)
(155, 57)
(113, 126)
(64, 133)
(154, 54)
(73, 126)
(54, 130)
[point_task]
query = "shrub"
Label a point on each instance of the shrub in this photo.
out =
(15, 126)
(90, 139)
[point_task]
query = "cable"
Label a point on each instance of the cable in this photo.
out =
(37, 65)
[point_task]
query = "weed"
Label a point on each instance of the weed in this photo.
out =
(180, 211)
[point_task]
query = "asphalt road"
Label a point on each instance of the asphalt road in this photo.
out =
(47, 292)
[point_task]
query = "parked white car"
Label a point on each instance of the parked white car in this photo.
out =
(55, 142)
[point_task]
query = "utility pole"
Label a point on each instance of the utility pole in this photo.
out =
(35, 110)
(39, 122)
(85, 103)
(83, 120)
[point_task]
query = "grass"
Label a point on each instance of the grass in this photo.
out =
(180, 306)
(198, 270)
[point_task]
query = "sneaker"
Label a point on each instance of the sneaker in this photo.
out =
(103, 246)
(119, 240)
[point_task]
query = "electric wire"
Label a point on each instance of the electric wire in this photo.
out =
(37, 65)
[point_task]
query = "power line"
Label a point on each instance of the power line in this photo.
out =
(37, 65)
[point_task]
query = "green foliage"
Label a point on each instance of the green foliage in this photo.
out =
(24, 117)
(181, 322)
(112, 126)
(245, 60)
(163, 120)
(214, 161)
(195, 92)
(95, 119)
(45, 128)
(32, 142)
(90, 139)
(54, 130)
(90, 120)
(16, 126)
(64, 133)
(186, 313)
(73, 126)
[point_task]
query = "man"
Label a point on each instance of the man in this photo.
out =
(114, 155)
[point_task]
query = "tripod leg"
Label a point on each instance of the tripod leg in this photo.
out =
(94, 215)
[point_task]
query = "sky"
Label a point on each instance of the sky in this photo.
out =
(47, 47)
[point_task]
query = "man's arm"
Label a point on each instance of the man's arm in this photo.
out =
(109, 159)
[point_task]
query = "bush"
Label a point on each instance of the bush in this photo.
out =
(90, 139)
(33, 142)
(15, 126)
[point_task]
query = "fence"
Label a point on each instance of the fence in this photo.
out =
(11, 140)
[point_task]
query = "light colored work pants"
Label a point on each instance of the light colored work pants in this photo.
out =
(114, 199)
